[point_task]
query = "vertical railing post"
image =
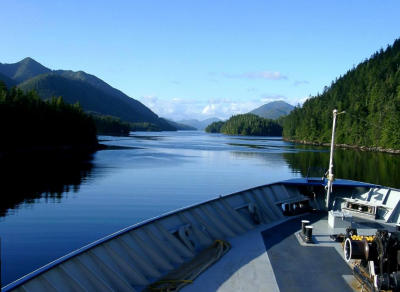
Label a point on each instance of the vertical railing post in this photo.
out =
(331, 176)
(330, 172)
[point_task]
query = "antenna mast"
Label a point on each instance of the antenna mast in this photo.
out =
(330, 172)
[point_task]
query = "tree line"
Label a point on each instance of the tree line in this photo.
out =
(248, 125)
(370, 95)
(109, 125)
(27, 121)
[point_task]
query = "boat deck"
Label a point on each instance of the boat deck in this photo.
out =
(274, 258)
(246, 267)
(311, 267)
(266, 257)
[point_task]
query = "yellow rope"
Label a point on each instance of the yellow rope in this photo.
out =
(175, 281)
(153, 287)
(222, 242)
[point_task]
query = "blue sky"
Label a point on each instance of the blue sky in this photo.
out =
(197, 59)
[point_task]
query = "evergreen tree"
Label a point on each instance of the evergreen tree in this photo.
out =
(28, 122)
(370, 95)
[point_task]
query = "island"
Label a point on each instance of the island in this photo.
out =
(247, 125)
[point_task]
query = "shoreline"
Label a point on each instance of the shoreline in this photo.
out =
(346, 146)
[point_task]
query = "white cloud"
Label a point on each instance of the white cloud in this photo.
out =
(223, 108)
(209, 109)
(299, 101)
(175, 108)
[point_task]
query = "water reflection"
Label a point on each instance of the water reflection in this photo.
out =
(267, 158)
(26, 179)
(145, 175)
(248, 145)
(153, 138)
(373, 167)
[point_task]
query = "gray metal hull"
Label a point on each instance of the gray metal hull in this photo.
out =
(132, 258)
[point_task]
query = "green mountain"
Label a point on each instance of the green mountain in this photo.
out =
(7, 80)
(92, 93)
(23, 70)
(247, 125)
(370, 95)
(89, 97)
(273, 110)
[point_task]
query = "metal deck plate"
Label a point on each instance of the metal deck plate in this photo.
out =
(304, 268)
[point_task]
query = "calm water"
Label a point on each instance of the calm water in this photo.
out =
(59, 206)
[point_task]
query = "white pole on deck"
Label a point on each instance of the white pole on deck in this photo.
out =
(330, 172)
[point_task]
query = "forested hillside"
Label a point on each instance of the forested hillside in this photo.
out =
(7, 80)
(248, 125)
(90, 98)
(214, 127)
(109, 125)
(28, 122)
(93, 94)
(370, 95)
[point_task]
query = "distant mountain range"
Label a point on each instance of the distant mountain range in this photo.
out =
(273, 110)
(96, 96)
(199, 125)
(93, 94)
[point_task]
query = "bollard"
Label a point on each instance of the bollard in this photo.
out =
(304, 223)
(308, 233)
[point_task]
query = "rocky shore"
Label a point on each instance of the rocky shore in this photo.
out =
(346, 146)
